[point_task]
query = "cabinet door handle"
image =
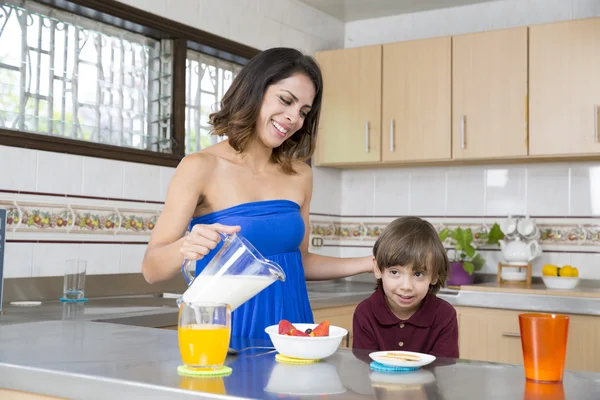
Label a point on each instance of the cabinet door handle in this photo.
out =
(596, 138)
(366, 136)
(392, 145)
(462, 131)
(510, 334)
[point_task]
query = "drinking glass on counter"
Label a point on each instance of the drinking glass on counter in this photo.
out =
(74, 280)
(544, 343)
(204, 332)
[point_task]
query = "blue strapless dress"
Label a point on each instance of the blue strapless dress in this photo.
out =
(276, 229)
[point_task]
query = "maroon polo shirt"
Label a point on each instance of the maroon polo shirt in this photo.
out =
(433, 329)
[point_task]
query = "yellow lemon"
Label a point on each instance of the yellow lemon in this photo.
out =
(566, 271)
(550, 270)
(575, 273)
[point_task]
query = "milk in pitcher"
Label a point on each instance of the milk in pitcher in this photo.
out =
(234, 290)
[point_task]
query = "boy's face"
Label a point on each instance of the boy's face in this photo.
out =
(404, 288)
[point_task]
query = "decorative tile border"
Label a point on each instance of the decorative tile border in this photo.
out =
(550, 233)
(80, 219)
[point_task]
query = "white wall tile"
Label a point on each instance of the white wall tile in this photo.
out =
(585, 8)
(49, 258)
(392, 192)
(465, 19)
(505, 190)
(588, 265)
(548, 189)
(158, 7)
(18, 168)
(585, 189)
(466, 191)
(102, 178)
(18, 259)
(252, 29)
(141, 182)
(428, 191)
(184, 11)
(166, 174)
(327, 191)
(132, 256)
(355, 251)
(101, 259)
(59, 173)
(329, 251)
(358, 192)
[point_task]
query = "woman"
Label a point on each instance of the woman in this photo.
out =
(255, 183)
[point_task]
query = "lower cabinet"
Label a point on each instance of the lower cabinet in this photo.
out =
(493, 335)
(338, 316)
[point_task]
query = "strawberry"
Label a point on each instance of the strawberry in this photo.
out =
(321, 330)
(296, 332)
(285, 327)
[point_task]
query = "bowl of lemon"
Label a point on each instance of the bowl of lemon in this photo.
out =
(565, 278)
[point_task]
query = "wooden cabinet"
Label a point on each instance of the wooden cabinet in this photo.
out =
(489, 94)
(338, 316)
(350, 125)
(416, 100)
(489, 335)
(493, 335)
(564, 64)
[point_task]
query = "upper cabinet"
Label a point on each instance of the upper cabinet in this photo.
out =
(526, 93)
(489, 94)
(416, 108)
(564, 65)
(350, 126)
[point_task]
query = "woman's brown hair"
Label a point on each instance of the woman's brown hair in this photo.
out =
(241, 105)
(412, 241)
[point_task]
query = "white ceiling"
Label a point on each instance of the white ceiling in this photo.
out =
(352, 10)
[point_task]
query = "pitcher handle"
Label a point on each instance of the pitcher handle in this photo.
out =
(534, 249)
(185, 266)
(185, 269)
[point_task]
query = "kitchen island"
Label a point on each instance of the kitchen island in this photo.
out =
(94, 360)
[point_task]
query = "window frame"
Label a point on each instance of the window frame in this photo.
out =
(184, 37)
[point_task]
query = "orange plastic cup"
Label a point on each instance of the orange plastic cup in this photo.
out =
(544, 342)
(543, 391)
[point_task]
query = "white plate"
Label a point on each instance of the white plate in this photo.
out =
(424, 359)
(25, 303)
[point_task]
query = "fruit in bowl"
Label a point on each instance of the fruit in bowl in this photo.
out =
(565, 278)
(306, 341)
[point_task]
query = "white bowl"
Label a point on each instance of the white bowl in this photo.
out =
(560, 282)
(308, 348)
(379, 356)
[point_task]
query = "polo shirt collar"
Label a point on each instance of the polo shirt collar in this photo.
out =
(422, 318)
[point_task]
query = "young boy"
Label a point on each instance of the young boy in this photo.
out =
(411, 265)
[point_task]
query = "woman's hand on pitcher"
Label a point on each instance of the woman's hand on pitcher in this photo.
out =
(204, 238)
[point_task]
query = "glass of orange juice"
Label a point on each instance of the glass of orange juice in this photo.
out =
(204, 331)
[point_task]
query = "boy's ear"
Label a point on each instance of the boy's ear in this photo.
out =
(376, 270)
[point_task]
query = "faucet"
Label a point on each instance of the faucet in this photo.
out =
(2, 247)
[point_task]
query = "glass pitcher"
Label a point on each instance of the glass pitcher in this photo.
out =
(236, 273)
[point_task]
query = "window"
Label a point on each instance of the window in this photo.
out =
(104, 79)
(69, 76)
(207, 80)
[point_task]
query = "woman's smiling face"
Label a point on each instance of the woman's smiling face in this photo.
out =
(284, 108)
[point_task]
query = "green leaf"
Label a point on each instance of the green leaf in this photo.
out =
(444, 234)
(478, 262)
(468, 267)
(466, 240)
(495, 235)
(457, 235)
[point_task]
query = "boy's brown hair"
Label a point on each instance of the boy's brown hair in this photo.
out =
(414, 242)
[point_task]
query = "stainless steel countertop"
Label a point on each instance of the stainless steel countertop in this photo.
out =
(92, 360)
(157, 311)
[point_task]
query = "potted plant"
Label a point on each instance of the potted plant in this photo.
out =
(465, 259)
